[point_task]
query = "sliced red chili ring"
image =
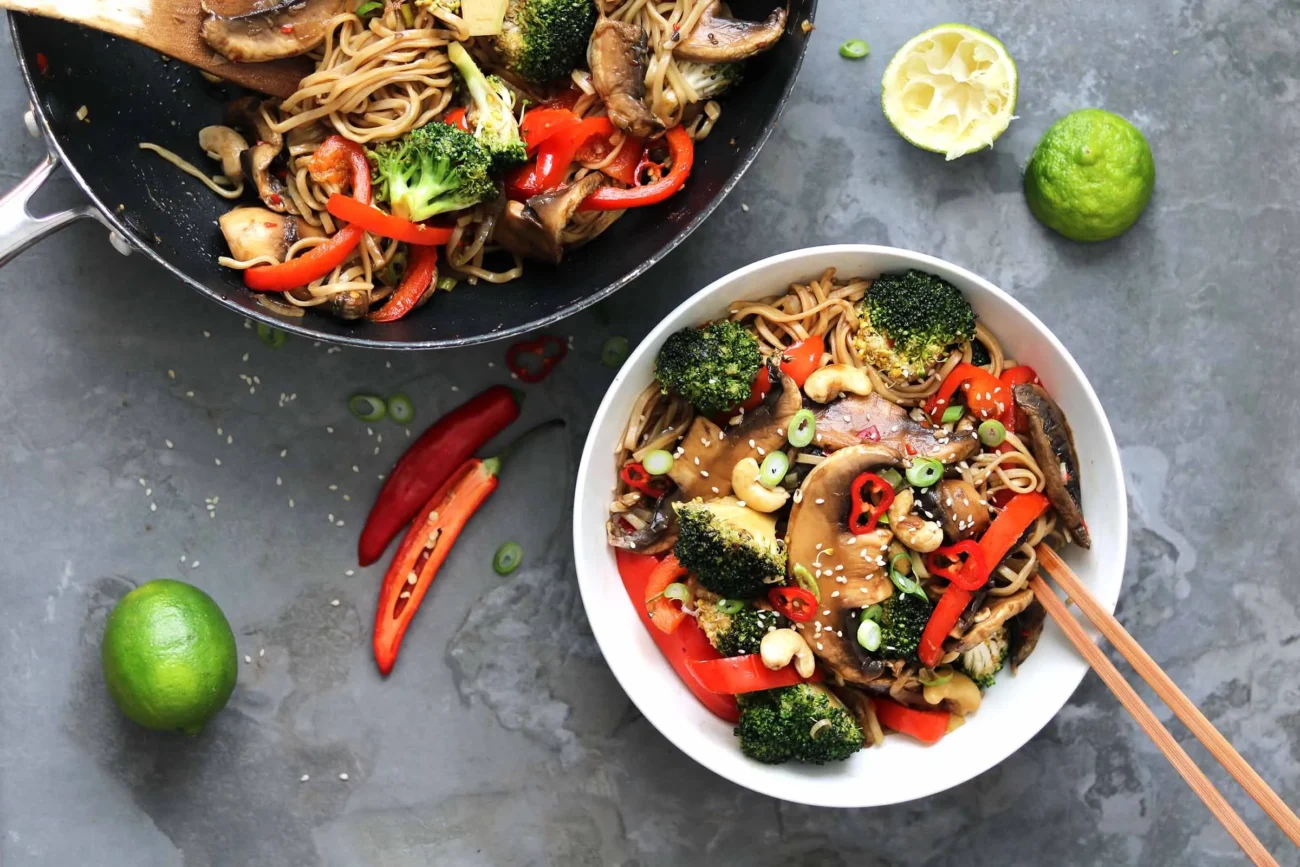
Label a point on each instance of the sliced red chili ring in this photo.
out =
(866, 510)
(963, 564)
(637, 478)
(795, 603)
(532, 360)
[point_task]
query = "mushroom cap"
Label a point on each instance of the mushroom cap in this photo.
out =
(1052, 443)
(843, 423)
(719, 38)
(270, 31)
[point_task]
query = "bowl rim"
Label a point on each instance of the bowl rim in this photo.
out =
(815, 258)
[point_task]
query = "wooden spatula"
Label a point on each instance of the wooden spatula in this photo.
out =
(171, 27)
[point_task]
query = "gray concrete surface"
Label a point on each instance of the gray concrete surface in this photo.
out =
(502, 738)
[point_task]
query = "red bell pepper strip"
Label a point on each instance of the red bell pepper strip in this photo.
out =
(686, 644)
(377, 222)
(947, 611)
(421, 271)
(682, 151)
(864, 511)
(795, 603)
(430, 461)
(799, 360)
(961, 564)
(456, 117)
(426, 545)
(623, 168)
(541, 123)
(758, 390)
(312, 265)
(985, 394)
(532, 360)
(336, 159)
(424, 549)
(1010, 524)
(740, 674)
(1013, 419)
(663, 613)
(927, 726)
(638, 479)
(554, 157)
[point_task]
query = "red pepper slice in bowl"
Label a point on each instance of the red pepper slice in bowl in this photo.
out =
(927, 726)
(663, 613)
(961, 564)
(795, 603)
(639, 479)
(734, 675)
(871, 497)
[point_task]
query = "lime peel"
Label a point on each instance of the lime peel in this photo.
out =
(951, 90)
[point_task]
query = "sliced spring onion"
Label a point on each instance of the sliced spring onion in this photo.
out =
(791, 480)
(907, 584)
(730, 606)
(953, 414)
(369, 8)
(924, 472)
(804, 579)
(658, 462)
(446, 283)
(678, 591)
(614, 352)
(803, 427)
(883, 520)
(507, 558)
(367, 407)
(901, 555)
(400, 409)
(934, 678)
(855, 49)
(408, 15)
(992, 432)
(893, 476)
(773, 469)
(869, 634)
(272, 337)
(873, 612)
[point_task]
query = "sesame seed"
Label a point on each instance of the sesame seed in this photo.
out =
(751, 444)
(279, 481)
(350, 572)
(220, 431)
(230, 440)
(338, 523)
(405, 594)
(330, 518)
(715, 490)
(207, 333)
(819, 547)
(304, 778)
(780, 432)
(347, 497)
(245, 358)
(704, 473)
(261, 653)
(334, 602)
(761, 451)
(153, 507)
(291, 502)
(283, 452)
(247, 659)
(697, 462)
(835, 593)
(171, 374)
(819, 501)
(148, 492)
(740, 503)
(329, 429)
(411, 578)
(194, 565)
(169, 444)
(189, 394)
(457, 387)
(218, 461)
(355, 469)
(343, 777)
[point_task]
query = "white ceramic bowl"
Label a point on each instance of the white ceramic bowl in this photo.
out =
(1014, 710)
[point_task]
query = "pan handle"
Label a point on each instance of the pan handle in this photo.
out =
(19, 229)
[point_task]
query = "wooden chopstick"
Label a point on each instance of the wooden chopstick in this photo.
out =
(1176, 755)
(1170, 694)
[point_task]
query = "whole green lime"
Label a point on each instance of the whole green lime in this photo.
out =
(169, 656)
(1091, 175)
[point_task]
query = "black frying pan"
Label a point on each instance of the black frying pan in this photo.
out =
(132, 95)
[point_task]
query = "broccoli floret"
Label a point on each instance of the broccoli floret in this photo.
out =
(431, 170)
(909, 321)
(544, 40)
(491, 112)
(731, 549)
(710, 80)
(713, 367)
(804, 723)
(983, 661)
(902, 620)
(736, 634)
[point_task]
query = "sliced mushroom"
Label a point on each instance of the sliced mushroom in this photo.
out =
(992, 616)
(719, 38)
(709, 453)
(1025, 629)
(852, 420)
(850, 570)
(616, 55)
(224, 144)
(270, 30)
(251, 232)
(350, 304)
(246, 113)
(645, 530)
(1052, 443)
(956, 505)
(536, 229)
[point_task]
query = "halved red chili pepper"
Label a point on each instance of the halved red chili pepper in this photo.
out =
(947, 611)
(638, 479)
(681, 150)
(799, 360)
(532, 360)
(421, 271)
(686, 644)
(430, 461)
(961, 564)
(927, 726)
(795, 603)
(663, 613)
(425, 547)
(735, 675)
(871, 497)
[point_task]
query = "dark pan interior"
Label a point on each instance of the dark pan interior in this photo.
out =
(133, 95)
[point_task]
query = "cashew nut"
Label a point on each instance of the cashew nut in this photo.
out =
(827, 382)
(758, 496)
(780, 646)
(922, 536)
(960, 693)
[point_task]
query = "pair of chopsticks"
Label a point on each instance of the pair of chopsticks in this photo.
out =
(1171, 695)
